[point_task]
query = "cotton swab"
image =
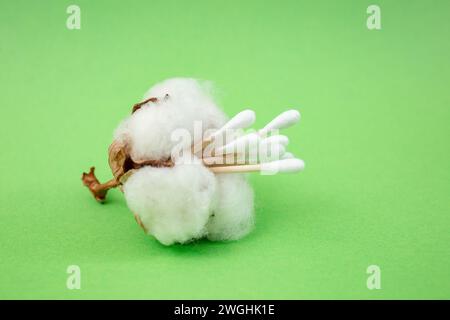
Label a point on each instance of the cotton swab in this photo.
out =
(275, 144)
(242, 120)
(238, 144)
(284, 120)
(280, 166)
(285, 166)
(251, 144)
(253, 140)
(280, 139)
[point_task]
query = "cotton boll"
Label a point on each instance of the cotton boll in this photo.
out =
(233, 214)
(148, 130)
(187, 201)
(173, 204)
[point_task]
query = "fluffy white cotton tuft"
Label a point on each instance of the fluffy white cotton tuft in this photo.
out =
(149, 129)
(174, 204)
(188, 201)
(232, 216)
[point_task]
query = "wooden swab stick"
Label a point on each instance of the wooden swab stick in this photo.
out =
(286, 166)
(224, 160)
(284, 120)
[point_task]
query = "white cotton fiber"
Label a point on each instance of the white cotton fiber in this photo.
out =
(187, 201)
(149, 129)
(232, 210)
(174, 204)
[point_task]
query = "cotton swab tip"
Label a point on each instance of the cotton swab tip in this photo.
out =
(284, 120)
(285, 166)
(242, 120)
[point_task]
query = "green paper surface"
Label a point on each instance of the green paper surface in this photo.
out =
(374, 135)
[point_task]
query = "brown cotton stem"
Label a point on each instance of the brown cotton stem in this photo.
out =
(121, 163)
(122, 166)
(137, 106)
(98, 189)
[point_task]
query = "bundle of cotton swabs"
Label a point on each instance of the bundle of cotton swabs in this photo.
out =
(257, 151)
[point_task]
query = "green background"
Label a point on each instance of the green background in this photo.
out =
(374, 135)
